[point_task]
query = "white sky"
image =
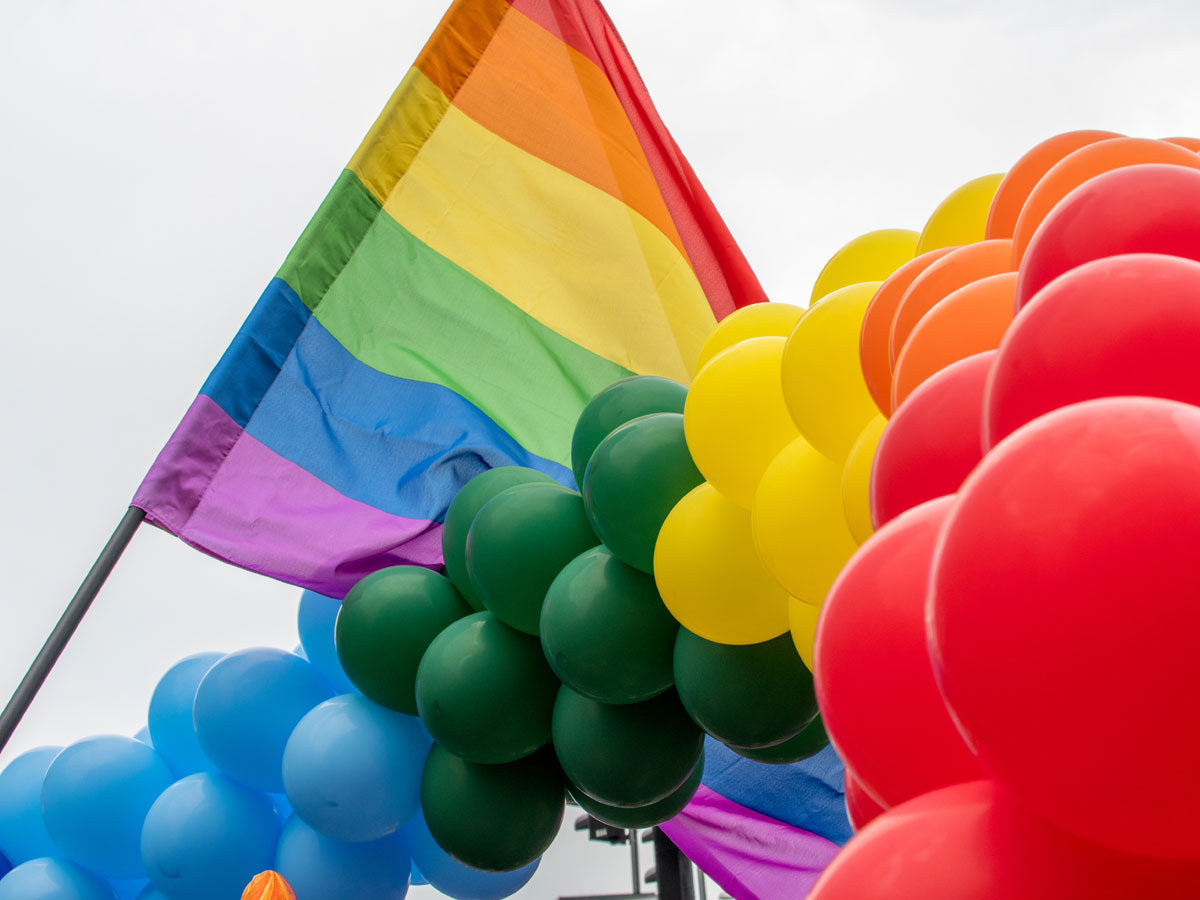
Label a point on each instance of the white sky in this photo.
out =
(158, 159)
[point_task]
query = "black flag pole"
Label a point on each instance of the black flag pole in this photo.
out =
(67, 623)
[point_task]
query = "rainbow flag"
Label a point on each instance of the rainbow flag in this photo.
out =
(516, 231)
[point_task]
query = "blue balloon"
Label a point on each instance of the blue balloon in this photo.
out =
(246, 707)
(53, 879)
(150, 892)
(454, 879)
(95, 797)
(143, 735)
(352, 768)
(171, 728)
(315, 620)
(207, 836)
(320, 868)
(5, 865)
(22, 829)
(415, 877)
(128, 890)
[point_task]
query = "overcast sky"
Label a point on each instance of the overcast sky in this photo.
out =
(158, 160)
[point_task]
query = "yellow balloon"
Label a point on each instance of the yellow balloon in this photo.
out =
(798, 524)
(735, 420)
(710, 576)
(803, 620)
(962, 217)
(755, 320)
(823, 382)
(869, 257)
(856, 480)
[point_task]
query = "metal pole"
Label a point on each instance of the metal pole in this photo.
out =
(67, 623)
(637, 868)
(674, 869)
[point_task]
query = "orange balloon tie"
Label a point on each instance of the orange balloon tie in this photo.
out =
(268, 886)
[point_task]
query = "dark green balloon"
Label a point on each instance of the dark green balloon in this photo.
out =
(629, 755)
(752, 695)
(492, 818)
(385, 625)
(617, 404)
(518, 544)
(463, 509)
(606, 632)
(485, 692)
(634, 479)
(809, 742)
(644, 816)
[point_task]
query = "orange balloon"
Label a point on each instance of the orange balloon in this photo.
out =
(268, 885)
(968, 321)
(876, 331)
(1087, 162)
(956, 269)
(1025, 174)
(1191, 143)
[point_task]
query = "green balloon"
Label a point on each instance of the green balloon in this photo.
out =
(644, 816)
(606, 631)
(752, 695)
(385, 625)
(518, 544)
(463, 509)
(617, 404)
(629, 755)
(492, 818)
(809, 742)
(634, 479)
(485, 692)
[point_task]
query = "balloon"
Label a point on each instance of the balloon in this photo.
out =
(451, 877)
(53, 879)
(172, 732)
(485, 691)
(5, 866)
(933, 441)
(869, 257)
(644, 816)
(246, 707)
(1030, 620)
(130, 889)
(1118, 325)
(755, 320)
(1135, 209)
(861, 807)
(387, 622)
(709, 574)
(962, 217)
(316, 621)
(967, 321)
(94, 797)
(22, 830)
(1191, 143)
(206, 836)
(1027, 171)
(415, 877)
(802, 624)
(822, 378)
(635, 477)
(352, 768)
(150, 892)
(878, 698)
(268, 885)
(799, 523)
(519, 542)
(856, 480)
(753, 695)
(629, 755)
(320, 868)
(1087, 162)
(143, 735)
(735, 418)
(811, 740)
(606, 632)
(621, 402)
(493, 818)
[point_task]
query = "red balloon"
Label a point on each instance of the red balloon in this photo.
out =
(1113, 326)
(1152, 208)
(932, 441)
(1064, 620)
(973, 842)
(861, 807)
(875, 686)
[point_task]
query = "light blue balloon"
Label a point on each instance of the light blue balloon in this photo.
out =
(53, 879)
(352, 769)
(246, 707)
(454, 879)
(315, 620)
(170, 717)
(207, 836)
(128, 890)
(320, 868)
(95, 797)
(143, 735)
(22, 830)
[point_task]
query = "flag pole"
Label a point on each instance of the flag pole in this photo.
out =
(67, 623)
